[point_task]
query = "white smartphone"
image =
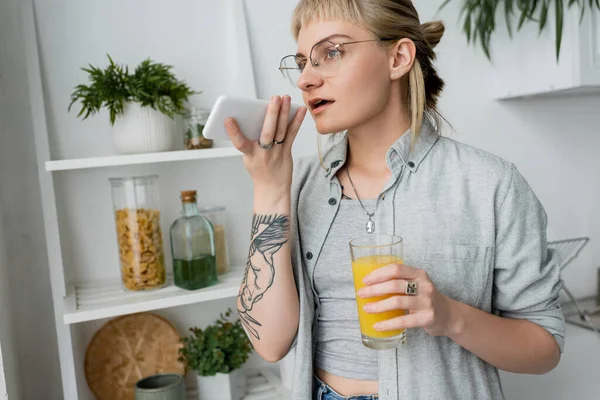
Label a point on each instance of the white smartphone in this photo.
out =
(249, 113)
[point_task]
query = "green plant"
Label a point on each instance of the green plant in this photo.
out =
(151, 84)
(219, 348)
(479, 17)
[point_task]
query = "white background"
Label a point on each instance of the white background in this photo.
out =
(554, 142)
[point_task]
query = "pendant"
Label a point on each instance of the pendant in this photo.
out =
(370, 226)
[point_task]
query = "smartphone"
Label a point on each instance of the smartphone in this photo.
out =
(248, 112)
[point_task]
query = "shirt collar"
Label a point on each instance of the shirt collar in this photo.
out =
(398, 155)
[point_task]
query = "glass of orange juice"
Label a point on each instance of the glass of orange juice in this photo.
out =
(369, 253)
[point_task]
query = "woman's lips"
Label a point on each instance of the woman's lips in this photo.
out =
(322, 107)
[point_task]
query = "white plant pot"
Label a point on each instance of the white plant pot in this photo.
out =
(231, 386)
(142, 130)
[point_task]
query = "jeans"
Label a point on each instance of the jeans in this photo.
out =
(323, 392)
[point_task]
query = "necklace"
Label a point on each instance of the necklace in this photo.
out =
(370, 223)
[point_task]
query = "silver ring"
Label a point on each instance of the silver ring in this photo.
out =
(411, 288)
(276, 142)
(265, 146)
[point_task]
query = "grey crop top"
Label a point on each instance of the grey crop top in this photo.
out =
(339, 348)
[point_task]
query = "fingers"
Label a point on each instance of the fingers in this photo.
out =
(237, 137)
(393, 303)
(282, 120)
(393, 271)
(294, 127)
(404, 322)
(394, 286)
(270, 124)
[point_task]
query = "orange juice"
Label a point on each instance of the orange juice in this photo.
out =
(361, 267)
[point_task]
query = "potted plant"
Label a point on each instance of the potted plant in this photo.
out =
(142, 105)
(480, 17)
(216, 354)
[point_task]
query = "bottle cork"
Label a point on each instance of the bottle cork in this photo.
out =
(188, 196)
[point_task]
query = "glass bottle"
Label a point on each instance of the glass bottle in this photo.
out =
(194, 126)
(193, 247)
(216, 215)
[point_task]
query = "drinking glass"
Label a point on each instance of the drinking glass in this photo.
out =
(369, 253)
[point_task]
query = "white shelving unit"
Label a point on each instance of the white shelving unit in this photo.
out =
(136, 159)
(89, 301)
(75, 159)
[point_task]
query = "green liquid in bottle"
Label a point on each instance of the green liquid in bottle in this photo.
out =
(197, 273)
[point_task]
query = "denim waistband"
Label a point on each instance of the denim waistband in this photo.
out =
(322, 391)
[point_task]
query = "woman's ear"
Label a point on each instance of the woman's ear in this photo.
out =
(402, 57)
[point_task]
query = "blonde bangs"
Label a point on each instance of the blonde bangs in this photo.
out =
(309, 10)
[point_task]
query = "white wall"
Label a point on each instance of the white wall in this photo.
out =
(22, 222)
(553, 141)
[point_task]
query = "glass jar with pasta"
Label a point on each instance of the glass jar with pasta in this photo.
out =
(139, 236)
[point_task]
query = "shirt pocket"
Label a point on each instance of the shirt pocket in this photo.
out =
(459, 271)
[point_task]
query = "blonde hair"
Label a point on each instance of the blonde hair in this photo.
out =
(389, 19)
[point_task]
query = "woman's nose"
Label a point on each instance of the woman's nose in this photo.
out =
(309, 78)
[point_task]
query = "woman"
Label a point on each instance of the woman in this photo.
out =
(474, 232)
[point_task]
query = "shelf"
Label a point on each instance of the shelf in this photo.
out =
(147, 158)
(518, 60)
(90, 301)
(261, 384)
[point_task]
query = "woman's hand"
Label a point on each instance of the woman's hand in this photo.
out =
(429, 309)
(270, 168)
(513, 345)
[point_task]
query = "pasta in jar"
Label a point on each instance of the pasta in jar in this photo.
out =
(140, 244)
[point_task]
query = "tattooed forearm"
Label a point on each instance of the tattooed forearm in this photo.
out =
(269, 234)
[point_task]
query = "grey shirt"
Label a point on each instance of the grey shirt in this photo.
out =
(470, 220)
(339, 347)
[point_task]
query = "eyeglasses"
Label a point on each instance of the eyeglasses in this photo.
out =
(325, 58)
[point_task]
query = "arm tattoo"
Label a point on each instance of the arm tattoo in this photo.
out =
(269, 234)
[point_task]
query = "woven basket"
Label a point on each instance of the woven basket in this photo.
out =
(127, 349)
